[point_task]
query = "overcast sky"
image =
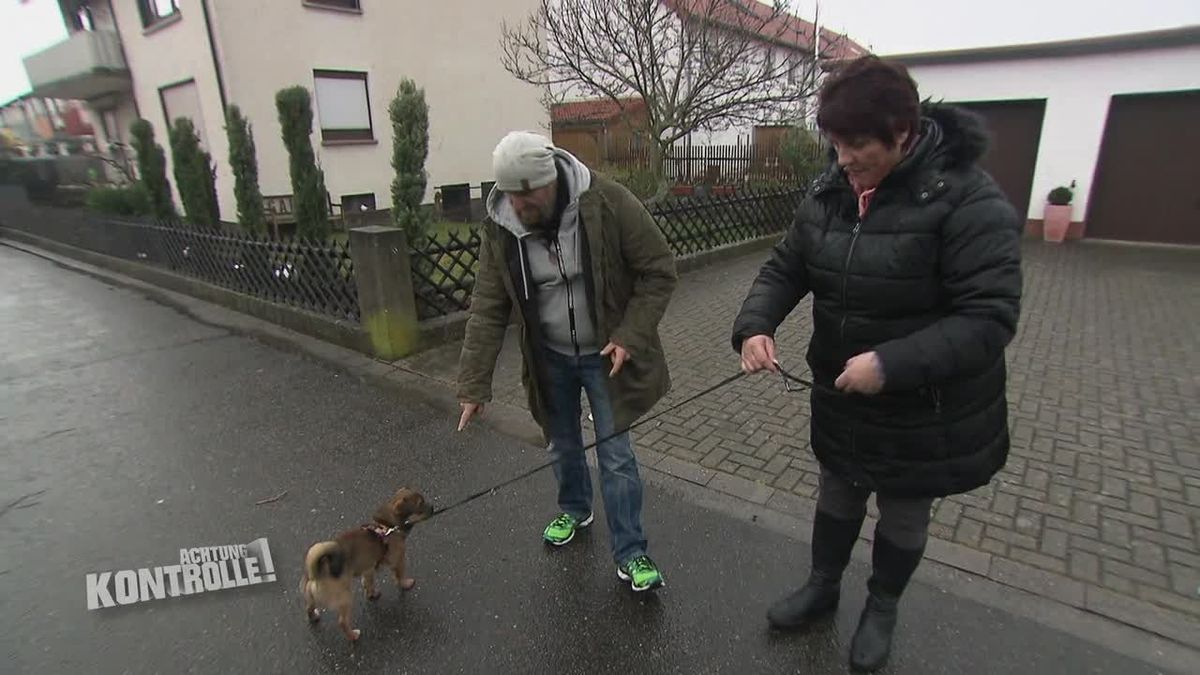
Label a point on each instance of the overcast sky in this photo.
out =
(886, 26)
(900, 26)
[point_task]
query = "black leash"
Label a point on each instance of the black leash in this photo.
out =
(545, 465)
(789, 379)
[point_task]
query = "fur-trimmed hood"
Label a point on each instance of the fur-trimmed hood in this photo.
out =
(964, 136)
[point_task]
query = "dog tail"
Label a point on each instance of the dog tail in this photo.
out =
(324, 559)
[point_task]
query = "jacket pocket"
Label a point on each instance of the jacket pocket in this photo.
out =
(893, 448)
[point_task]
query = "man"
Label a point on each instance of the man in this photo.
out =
(590, 274)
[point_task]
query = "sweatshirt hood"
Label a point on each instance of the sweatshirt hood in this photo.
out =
(578, 180)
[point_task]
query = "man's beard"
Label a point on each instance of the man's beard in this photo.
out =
(544, 225)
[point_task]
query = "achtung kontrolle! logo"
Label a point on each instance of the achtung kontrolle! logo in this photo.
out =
(200, 570)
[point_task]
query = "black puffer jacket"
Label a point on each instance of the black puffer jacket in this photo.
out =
(931, 281)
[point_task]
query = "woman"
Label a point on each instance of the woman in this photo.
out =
(912, 255)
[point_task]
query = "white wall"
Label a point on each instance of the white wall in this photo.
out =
(1077, 92)
(168, 55)
(449, 47)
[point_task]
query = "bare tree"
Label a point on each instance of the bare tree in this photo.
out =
(696, 64)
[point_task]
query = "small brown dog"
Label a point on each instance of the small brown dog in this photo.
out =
(330, 566)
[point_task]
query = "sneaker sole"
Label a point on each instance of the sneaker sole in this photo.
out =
(578, 526)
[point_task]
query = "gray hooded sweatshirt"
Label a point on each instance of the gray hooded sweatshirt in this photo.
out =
(555, 268)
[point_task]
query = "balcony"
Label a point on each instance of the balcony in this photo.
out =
(85, 66)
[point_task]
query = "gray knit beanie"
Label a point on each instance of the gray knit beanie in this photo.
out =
(523, 161)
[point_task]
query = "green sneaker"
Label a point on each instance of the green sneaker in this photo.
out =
(562, 529)
(642, 574)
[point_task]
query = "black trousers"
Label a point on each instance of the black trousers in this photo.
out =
(902, 521)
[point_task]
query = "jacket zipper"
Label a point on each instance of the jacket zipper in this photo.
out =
(846, 275)
(562, 270)
(524, 276)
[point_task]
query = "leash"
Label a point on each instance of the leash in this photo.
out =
(790, 383)
(545, 465)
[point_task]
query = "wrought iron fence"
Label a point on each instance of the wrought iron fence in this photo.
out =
(700, 224)
(443, 273)
(717, 164)
(315, 277)
(444, 268)
(320, 277)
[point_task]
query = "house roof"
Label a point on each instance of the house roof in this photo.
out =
(593, 110)
(1159, 39)
(783, 28)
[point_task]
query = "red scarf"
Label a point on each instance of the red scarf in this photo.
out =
(865, 195)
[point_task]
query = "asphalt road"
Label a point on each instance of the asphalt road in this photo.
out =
(131, 431)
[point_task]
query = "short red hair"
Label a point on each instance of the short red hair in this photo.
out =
(869, 97)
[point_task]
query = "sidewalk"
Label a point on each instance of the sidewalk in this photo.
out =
(1099, 505)
(134, 429)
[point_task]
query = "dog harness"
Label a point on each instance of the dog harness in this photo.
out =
(382, 533)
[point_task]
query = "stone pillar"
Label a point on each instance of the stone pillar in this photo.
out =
(387, 306)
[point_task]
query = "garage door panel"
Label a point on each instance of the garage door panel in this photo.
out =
(1147, 182)
(1015, 128)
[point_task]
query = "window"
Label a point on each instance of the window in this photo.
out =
(357, 204)
(349, 5)
(84, 20)
(343, 105)
(108, 120)
(183, 100)
(157, 11)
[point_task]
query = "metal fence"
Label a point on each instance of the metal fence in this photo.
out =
(713, 164)
(444, 268)
(699, 224)
(443, 272)
(319, 277)
(310, 276)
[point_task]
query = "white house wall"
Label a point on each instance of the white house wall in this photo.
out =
(1077, 91)
(449, 47)
(169, 54)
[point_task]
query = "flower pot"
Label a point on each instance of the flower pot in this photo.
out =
(1056, 221)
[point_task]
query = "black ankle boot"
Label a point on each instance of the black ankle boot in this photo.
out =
(872, 641)
(832, 541)
(892, 567)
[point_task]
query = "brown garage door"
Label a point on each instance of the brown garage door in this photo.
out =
(1147, 183)
(1016, 130)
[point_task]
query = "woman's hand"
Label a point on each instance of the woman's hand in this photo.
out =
(758, 353)
(863, 375)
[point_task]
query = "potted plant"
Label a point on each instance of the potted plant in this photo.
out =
(1057, 217)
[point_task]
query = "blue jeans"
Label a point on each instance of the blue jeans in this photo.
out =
(619, 480)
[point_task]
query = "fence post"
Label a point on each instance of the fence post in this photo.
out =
(387, 306)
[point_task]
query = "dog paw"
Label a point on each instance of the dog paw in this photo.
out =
(314, 616)
(374, 596)
(355, 633)
(407, 584)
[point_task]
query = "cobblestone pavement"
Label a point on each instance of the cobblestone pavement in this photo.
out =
(1099, 503)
